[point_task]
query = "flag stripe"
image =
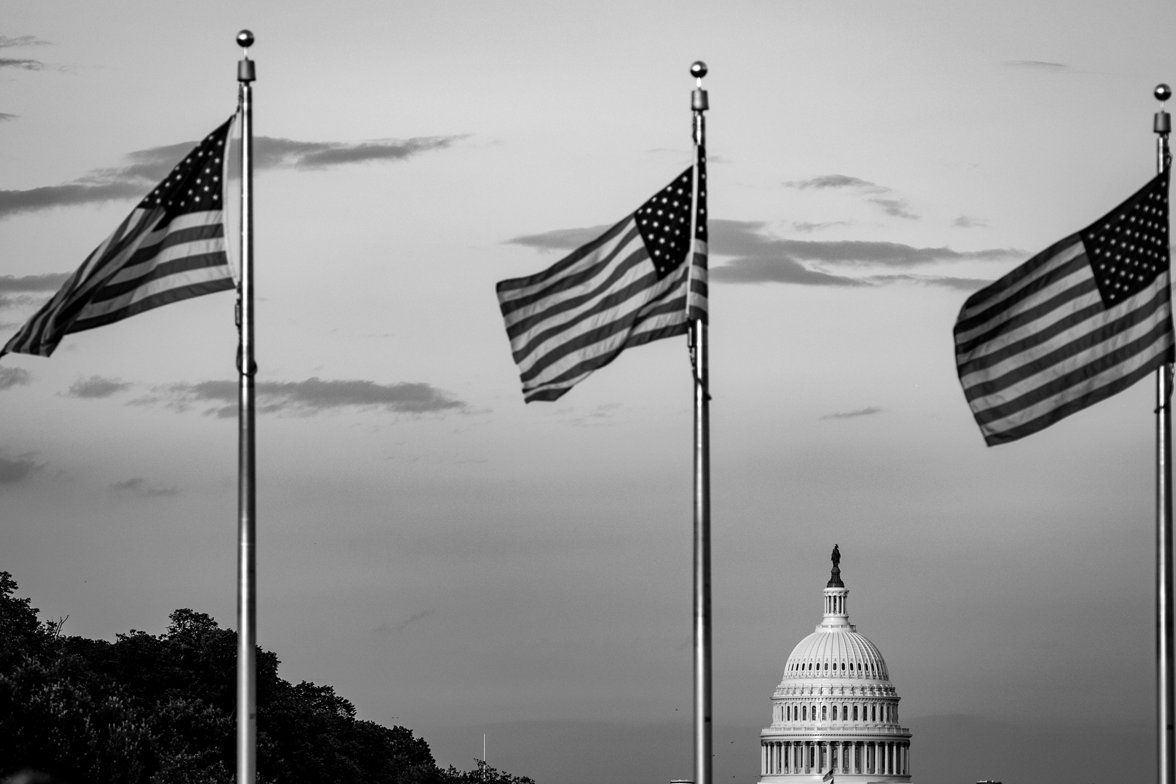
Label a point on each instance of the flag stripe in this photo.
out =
(567, 298)
(610, 306)
(628, 287)
(1113, 381)
(602, 330)
(1002, 316)
(1067, 382)
(1077, 323)
(1087, 341)
(171, 247)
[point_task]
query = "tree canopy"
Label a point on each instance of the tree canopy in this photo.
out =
(159, 709)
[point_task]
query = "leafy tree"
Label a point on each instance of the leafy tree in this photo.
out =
(158, 709)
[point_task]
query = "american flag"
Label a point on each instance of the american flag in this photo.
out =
(626, 288)
(171, 247)
(1081, 321)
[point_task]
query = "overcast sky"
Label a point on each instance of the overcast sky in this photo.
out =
(455, 561)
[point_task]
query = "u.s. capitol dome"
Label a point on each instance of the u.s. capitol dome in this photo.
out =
(835, 712)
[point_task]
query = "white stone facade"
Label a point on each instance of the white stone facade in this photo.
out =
(835, 709)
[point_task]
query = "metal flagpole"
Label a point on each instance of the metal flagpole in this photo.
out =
(246, 461)
(1164, 636)
(702, 603)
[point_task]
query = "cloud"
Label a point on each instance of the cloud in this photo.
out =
(967, 222)
(761, 258)
(11, 284)
(5, 117)
(943, 281)
(807, 228)
(861, 412)
(777, 270)
(559, 239)
(833, 181)
(137, 487)
(1044, 65)
(97, 387)
(312, 396)
(145, 168)
(897, 208)
(414, 618)
(21, 40)
(277, 152)
(13, 470)
(11, 377)
(879, 195)
(23, 64)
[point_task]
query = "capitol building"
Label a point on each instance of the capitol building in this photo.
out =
(835, 710)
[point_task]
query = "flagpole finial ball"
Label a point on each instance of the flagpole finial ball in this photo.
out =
(245, 39)
(698, 69)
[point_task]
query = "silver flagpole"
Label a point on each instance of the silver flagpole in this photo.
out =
(702, 599)
(246, 462)
(1164, 637)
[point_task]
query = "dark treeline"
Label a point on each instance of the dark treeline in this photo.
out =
(159, 709)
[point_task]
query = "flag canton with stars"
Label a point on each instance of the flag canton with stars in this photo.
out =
(1128, 248)
(664, 223)
(194, 184)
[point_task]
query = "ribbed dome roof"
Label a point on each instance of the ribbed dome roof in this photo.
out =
(835, 649)
(836, 653)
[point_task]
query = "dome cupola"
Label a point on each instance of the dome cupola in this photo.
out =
(835, 708)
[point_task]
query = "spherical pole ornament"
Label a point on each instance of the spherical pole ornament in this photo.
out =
(245, 39)
(698, 69)
(1163, 92)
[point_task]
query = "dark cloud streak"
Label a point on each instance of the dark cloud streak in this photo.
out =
(861, 412)
(31, 283)
(312, 396)
(1044, 65)
(21, 40)
(13, 470)
(21, 63)
(147, 167)
(761, 258)
(137, 487)
(12, 377)
(96, 387)
(879, 195)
